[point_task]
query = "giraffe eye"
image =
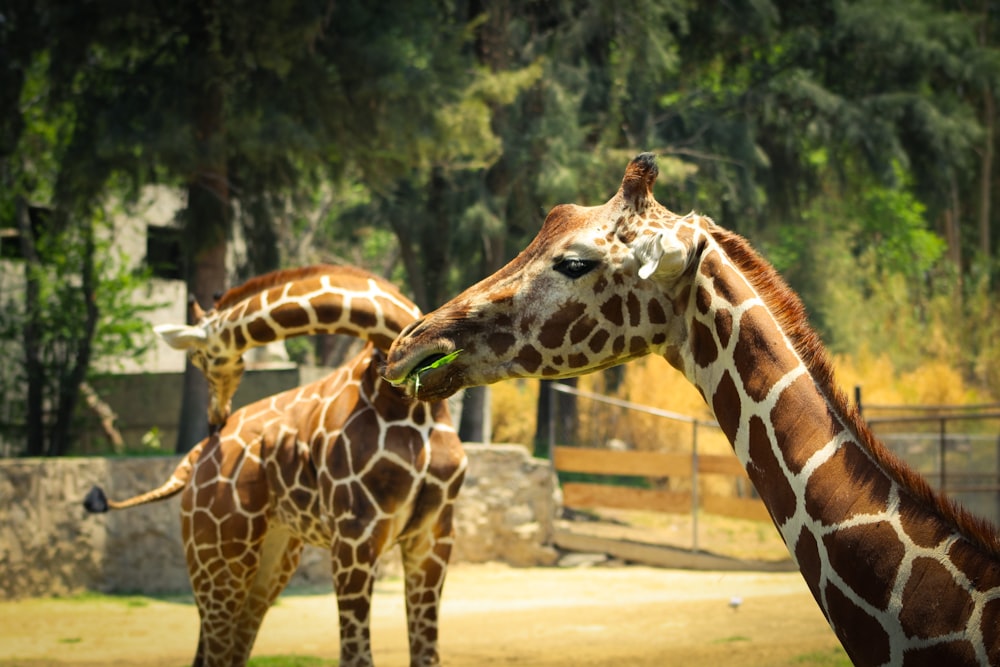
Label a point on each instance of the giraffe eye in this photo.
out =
(574, 267)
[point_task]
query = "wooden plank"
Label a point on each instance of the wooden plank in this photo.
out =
(737, 508)
(608, 462)
(623, 497)
(720, 464)
(662, 555)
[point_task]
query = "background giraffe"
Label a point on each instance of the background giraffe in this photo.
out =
(903, 576)
(348, 463)
(313, 300)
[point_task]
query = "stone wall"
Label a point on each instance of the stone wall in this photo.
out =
(50, 546)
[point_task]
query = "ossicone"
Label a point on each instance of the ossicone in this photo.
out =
(637, 184)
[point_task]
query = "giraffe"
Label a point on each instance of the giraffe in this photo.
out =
(348, 463)
(282, 304)
(903, 576)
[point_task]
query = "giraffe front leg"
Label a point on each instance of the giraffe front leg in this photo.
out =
(353, 582)
(425, 563)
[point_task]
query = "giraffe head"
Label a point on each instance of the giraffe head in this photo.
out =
(598, 286)
(222, 366)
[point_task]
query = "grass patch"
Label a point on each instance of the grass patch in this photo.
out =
(291, 661)
(89, 597)
(834, 657)
(70, 640)
(731, 640)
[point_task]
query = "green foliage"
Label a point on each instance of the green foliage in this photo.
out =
(836, 657)
(291, 661)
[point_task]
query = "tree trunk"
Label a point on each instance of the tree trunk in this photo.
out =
(76, 372)
(475, 422)
(986, 180)
(207, 215)
(35, 409)
(556, 416)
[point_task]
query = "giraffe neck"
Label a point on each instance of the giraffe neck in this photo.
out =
(894, 568)
(338, 300)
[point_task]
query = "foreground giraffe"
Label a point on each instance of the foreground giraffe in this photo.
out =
(348, 463)
(903, 576)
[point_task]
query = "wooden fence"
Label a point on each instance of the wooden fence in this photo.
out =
(690, 468)
(653, 465)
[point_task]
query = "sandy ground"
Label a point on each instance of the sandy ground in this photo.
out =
(492, 615)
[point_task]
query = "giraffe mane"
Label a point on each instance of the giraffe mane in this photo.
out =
(266, 281)
(790, 313)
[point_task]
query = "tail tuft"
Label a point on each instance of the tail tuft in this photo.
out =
(96, 502)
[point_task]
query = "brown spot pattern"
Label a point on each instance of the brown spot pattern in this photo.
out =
(863, 636)
(703, 300)
(807, 555)
(703, 345)
(760, 354)
(261, 331)
(581, 329)
(925, 529)
(990, 626)
(634, 310)
(867, 558)
(958, 652)
(612, 310)
(831, 499)
(727, 283)
(553, 332)
(500, 341)
(766, 474)
(290, 316)
(726, 405)
(599, 340)
(971, 562)
(802, 422)
(933, 603)
(363, 318)
(529, 358)
(724, 326)
(655, 312)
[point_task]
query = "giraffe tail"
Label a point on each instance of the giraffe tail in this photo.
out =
(97, 502)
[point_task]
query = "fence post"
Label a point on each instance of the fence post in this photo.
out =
(694, 486)
(944, 449)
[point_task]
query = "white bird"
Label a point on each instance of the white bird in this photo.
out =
(735, 602)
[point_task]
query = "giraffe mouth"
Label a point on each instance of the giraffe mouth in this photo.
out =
(413, 379)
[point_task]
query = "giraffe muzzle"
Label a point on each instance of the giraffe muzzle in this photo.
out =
(430, 372)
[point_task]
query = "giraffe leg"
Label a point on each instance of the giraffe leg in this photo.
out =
(425, 563)
(279, 558)
(353, 582)
(222, 573)
(220, 593)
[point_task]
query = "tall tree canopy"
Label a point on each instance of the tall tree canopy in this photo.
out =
(427, 140)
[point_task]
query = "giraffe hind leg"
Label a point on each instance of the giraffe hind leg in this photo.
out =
(425, 563)
(279, 558)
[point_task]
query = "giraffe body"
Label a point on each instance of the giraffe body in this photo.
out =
(904, 577)
(348, 463)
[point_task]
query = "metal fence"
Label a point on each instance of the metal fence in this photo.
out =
(955, 447)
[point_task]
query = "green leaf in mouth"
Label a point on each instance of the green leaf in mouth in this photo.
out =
(438, 362)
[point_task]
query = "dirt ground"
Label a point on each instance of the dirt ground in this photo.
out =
(492, 615)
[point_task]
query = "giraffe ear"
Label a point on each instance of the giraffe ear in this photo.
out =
(657, 254)
(181, 336)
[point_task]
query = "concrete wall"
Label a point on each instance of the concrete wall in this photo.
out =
(50, 546)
